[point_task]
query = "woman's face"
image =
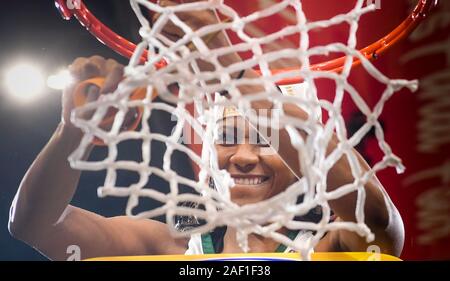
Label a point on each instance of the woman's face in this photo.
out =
(257, 170)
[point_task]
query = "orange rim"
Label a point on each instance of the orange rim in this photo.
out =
(126, 48)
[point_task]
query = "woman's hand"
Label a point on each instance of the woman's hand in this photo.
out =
(86, 68)
(196, 20)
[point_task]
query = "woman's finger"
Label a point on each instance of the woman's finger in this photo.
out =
(113, 79)
(89, 70)
(76, 66)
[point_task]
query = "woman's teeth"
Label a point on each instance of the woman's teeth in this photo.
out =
(249, 181)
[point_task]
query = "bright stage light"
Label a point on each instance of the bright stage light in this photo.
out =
(24, 81)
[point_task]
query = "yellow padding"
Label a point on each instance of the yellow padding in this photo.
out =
(341, 256)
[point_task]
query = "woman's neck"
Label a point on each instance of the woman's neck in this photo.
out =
(257, 243)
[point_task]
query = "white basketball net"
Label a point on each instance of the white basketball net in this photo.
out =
(263, 218)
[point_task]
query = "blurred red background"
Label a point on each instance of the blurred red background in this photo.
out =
(417, 125)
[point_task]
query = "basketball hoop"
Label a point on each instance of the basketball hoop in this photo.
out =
(126, 48)
(197, 87)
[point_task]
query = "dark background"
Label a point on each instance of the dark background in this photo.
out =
(34, 30)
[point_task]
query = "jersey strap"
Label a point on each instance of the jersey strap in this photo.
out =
(208, 247)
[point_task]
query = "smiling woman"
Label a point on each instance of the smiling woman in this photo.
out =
(273, 176)
(257, 170)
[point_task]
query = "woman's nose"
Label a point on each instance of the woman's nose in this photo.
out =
(245, 158)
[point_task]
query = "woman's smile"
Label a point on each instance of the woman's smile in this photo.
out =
(250, 180)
